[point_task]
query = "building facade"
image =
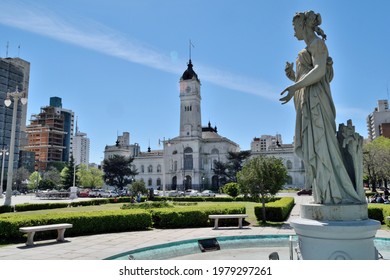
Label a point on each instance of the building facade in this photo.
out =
(81, 144)
(14, 75)
(268, 145)
(186, 161)
(378, 122)
(50, 134)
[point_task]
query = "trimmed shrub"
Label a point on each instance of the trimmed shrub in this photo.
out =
(39, 206)
(277, 210)
(192, 216)
(147, 205)
(83, 223)
(6, 209)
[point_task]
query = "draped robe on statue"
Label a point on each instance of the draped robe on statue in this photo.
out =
(315, 134)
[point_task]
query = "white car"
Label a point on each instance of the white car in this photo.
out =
(208, 193)
(191, 192)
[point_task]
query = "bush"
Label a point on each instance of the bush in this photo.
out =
(39, 206)
(83, 223)
(232, 189)
(6, 209)
(192, 216)
(147, 205)
(277, 210)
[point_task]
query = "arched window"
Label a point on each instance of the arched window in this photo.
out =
(158, 182)
(150, 182)
(142, 169)
(289, 180)
(158, 168)
(188, 159)
(289, 164)
(188, 182)
(174, 183)
(150, 168)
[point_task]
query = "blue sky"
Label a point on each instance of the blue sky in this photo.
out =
(117, 63)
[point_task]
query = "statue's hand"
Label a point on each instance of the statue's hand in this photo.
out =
(289, 70)
(290, 93)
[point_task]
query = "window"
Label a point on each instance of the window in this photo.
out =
(159, 168)
(158, 182)
(289, 164)
(150, 168)
(142, 169)
(188, 160)
(150, 182)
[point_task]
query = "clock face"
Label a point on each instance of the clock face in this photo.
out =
(188, 89)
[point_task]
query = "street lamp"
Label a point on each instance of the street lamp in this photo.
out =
(3, 152)
(16, 95)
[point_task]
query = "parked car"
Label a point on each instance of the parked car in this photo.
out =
(108, 194)
(208, 193)
(191, 192)
(84, 193)
(175, 193)
(305, 192)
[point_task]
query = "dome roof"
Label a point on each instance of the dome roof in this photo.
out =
(189, 73)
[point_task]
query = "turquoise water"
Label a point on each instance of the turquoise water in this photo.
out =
(188, 247)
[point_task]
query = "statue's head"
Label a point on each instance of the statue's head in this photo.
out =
(308, 20)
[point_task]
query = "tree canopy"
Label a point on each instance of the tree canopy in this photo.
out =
(117, 171)
(263, 176)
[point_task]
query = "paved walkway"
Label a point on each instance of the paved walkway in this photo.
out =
(97, 247)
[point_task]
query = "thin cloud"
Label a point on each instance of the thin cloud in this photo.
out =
(100, 38)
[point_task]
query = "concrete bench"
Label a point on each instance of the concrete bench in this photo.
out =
(31, 231)
(240, 217)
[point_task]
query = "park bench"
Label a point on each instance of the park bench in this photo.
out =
(240, 217)
(31, 231)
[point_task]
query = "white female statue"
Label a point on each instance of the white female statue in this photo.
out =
(315, 129)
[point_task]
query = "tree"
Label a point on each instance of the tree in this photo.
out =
(138, 187)
(117, 171)
(52, 177)
(263, 176)
(220, 169)
(21, 175)
(68, 174)
(376, 161)
(33, 181)
(235, 163)
(232, 189)
(90, 177)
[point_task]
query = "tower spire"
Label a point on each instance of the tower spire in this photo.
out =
(191, 45)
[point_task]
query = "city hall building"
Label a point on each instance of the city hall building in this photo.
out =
(186, 161)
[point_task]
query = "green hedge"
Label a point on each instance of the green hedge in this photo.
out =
(83, 223)
(6, 209)
(193, 216)
(277, 210)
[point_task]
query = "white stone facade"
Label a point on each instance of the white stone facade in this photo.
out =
(376, 119)
(186, 161)
(294, 165)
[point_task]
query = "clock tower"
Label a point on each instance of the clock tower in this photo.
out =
(190, 113)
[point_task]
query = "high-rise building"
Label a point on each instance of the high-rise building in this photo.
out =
(80, 147)
(378, 122)
(263, 143)
(50, 134)
(14, 75)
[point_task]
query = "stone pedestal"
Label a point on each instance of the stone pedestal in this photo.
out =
(336, 232)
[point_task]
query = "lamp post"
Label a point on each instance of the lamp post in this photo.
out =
(3, 152)
(16, 95)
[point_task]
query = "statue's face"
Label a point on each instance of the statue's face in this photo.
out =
(298, 28)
